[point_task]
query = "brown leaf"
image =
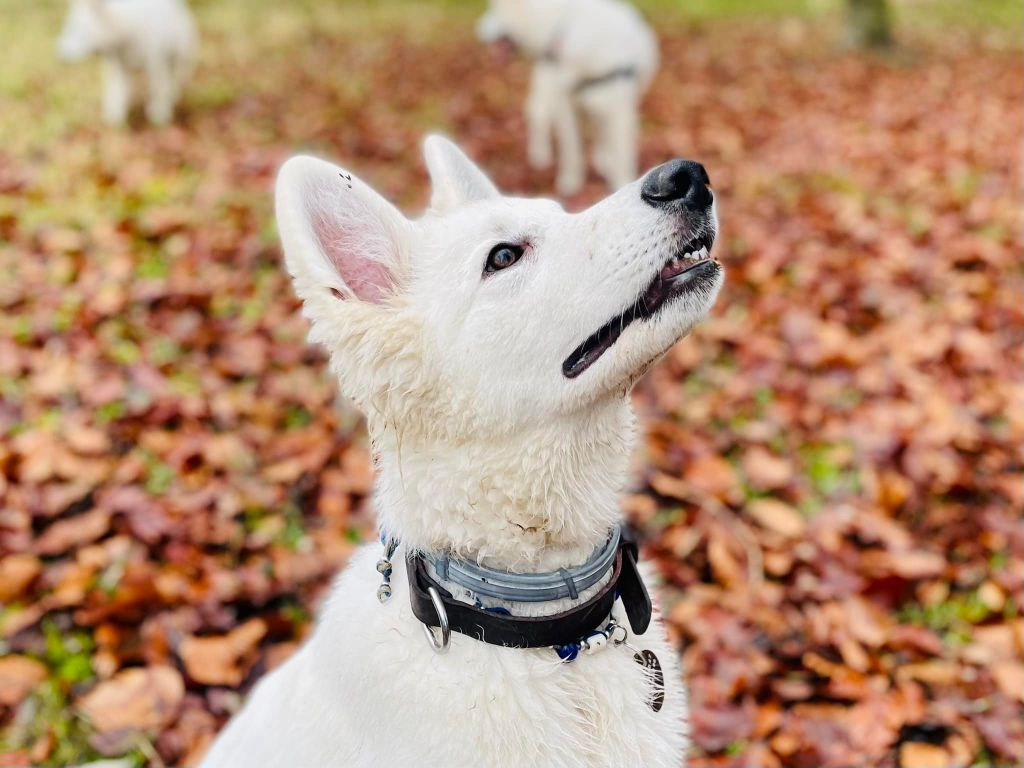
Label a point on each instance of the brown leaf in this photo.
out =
(766, 471)
(915, 754)
(243, 355)
(915, 564)
(713, 475)
(935, 672)
(778, 517)
(358, 470)
(16, 573)
(1002, 728)
(1009, 676)
(918, 638)
(992, 596)
(73, 532)
(18, 676)
(87, 440)
(866, 621)
(14, 621)
(716, 727)
(726, 568)
(140, 698)
(222, 660)
(999, 641)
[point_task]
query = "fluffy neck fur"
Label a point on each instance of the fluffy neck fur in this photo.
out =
(536, 499)
(513, 493)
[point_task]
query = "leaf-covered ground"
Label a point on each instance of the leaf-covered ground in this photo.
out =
(833, 474)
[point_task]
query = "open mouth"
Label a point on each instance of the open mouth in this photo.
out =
(690, 267)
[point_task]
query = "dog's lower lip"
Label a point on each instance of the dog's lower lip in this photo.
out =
(671, 281)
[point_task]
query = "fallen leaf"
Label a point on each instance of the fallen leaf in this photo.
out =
(932, 672)
(713, 475)
(726, 568)
(222, 660)
(1009, 676)
(778, 517)
(915, 754)
(19, 675)
(73, 532)
(17, 571)
(908, 565)
(140, 698)
(765, 470)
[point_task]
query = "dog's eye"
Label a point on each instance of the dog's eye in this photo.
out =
(502, 256)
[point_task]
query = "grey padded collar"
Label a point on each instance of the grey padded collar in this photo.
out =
(528, 587)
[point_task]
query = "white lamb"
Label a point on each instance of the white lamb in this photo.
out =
(593, 59)
(152, 38)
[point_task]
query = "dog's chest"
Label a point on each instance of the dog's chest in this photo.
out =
(484, 705)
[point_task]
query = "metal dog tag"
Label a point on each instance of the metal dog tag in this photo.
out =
(652, 667)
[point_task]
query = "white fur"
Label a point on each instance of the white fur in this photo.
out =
(584, 39)
(152, 38)
(482, 448)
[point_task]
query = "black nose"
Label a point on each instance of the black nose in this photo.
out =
(682, 180)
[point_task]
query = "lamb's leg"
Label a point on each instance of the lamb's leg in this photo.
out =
(182, 65)
(117, 91)
(161, 96)
(603, 150)
(571, 163)
(615, 110)
(622, 146)
(540, 106)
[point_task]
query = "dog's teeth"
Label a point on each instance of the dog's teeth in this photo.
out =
(685, 257)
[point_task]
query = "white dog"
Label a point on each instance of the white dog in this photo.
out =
(152, 38)
(492, 345)
(595, 59)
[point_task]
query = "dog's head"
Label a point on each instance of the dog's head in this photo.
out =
(527, 23)
(88, 29)
(490, 312)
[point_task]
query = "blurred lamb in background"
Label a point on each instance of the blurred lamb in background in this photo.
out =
(594, 59)
(154, 39)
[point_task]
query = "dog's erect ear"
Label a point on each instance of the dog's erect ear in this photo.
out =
(454, 177)
(341, 239)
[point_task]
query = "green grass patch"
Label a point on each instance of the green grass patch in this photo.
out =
(953, 618)
(68, 655)
(828, 471)
(159, 475)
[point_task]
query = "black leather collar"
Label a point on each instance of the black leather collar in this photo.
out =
(536, 631)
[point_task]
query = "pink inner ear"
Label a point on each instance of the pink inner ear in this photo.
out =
(350, 252)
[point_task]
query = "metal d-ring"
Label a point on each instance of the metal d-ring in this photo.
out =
(617, 640)
(442, 617)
